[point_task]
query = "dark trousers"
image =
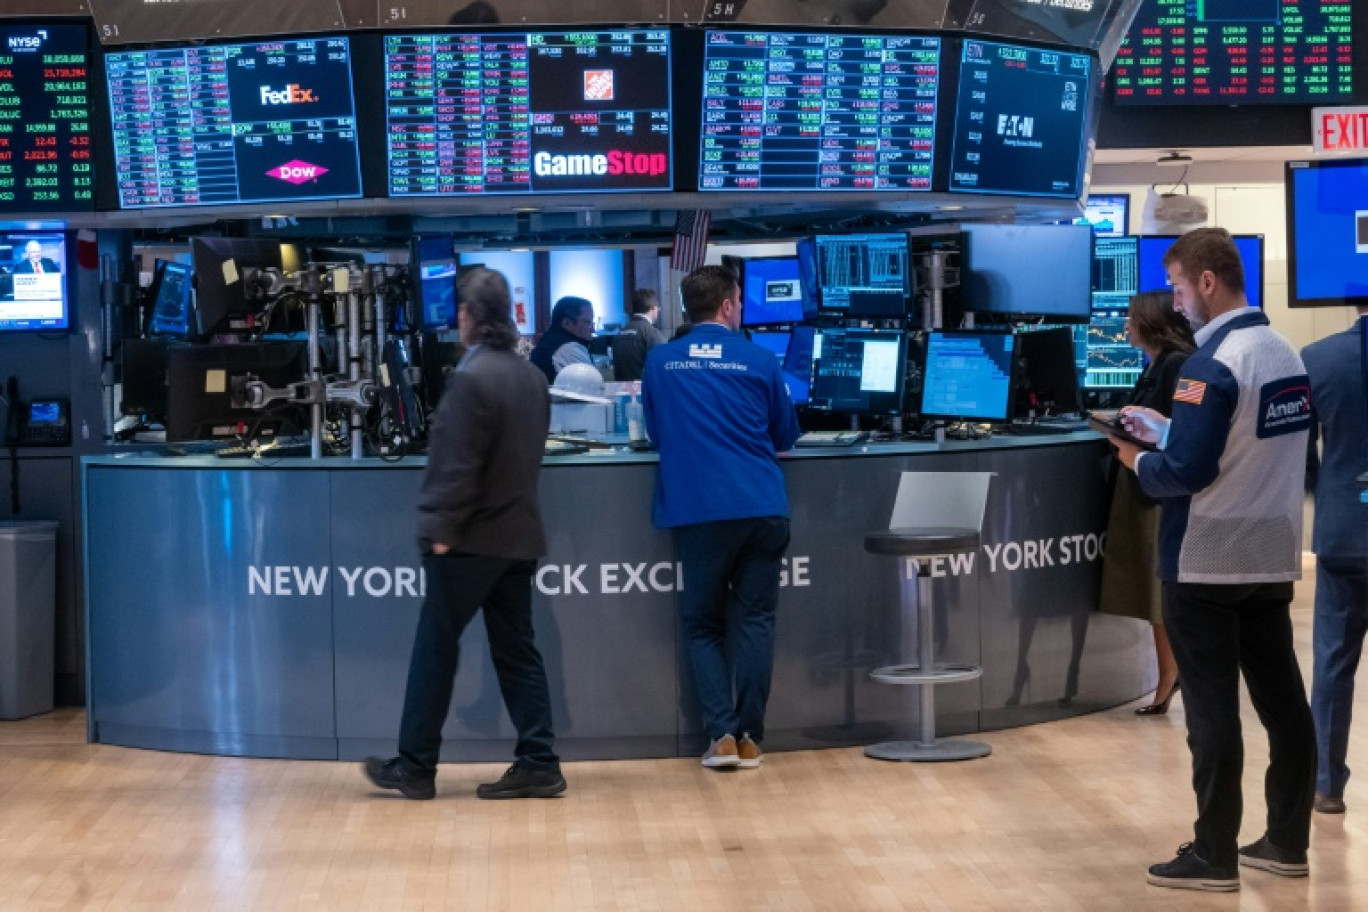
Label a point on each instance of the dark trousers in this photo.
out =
(731, 572)
(1217, 632)
(1337, 638)
(457, 587)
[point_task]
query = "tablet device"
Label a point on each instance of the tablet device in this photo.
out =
(1111, 426)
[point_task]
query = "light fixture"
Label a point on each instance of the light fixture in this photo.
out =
(1174, 159)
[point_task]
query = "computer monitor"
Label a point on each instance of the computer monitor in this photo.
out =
(201, 381)
(1108, 214)
(798, 363)
(864, 275)
(776, 341)
(1154, 277)
(1109, 360)
(1028, 270)
(1327, 232)
(771, 291)
(228, 296)
(33, 282)
(432, 264)
(1115, 272)
(1046, 382)
(858, 371)
(968, 376)
(143, 375)
(170, 293)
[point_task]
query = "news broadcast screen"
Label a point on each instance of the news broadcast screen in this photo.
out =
(239, 123)
(786, 111)
(1020, 121)
(45, 162)
(33, 290)
(1236, 52)
(539, 112)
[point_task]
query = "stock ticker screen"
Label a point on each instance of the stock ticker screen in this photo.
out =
(788, 111)
(45, 160)
(1020, 120)
(1234, 52)
(215, 124)
(528, 113)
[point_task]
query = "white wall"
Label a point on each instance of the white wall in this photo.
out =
(1243, 198)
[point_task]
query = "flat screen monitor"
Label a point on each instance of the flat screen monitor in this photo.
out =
(143, 376)
(779, 342)
(45, 146)
(1237, 52)
(1327, 232)
(204, 383)
(1115, 272)
(1108, 214)
(528, 112)
(433, 266)
(1109, 360)
(1028, 270)
(968, 376)
(830, 111)
(33, 282)
(227, 296)
(1021, 121)
(234, 123)
(1047, 373)
(774, 340)
(1154, 277)
(171, 312)
(772, 291)
(858, 371)
(798, 363)
(864, 275)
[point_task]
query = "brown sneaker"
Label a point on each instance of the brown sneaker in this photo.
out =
(721, 754)
(750, 753)
(1328, 805)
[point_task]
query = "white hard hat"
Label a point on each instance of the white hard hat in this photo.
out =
(581, 383)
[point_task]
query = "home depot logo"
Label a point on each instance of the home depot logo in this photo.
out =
(291, 94)
(297, 172)
(598, 85)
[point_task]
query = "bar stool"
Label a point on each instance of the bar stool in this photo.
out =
(936, 514)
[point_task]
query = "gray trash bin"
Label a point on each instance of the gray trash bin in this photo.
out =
(28, 616)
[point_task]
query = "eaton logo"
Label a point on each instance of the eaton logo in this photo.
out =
(28, 42)
(297, 172)
(705, 351)
(1016, 126)
(291, 94)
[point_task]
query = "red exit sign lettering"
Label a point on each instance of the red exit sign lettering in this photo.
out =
(1340, 129)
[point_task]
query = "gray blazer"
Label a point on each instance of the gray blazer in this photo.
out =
(1335, 366)
(485, 451)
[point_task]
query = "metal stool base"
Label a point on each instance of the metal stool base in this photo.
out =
(936, 751)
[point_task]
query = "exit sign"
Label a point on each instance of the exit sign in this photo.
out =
(1340, 129)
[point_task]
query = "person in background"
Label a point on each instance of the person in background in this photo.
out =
(718, 410)
(567, 341)
(1130, 582)
(1340, 539)
(638, 337)
(34, 262)
(1228, 468)
(480, 532)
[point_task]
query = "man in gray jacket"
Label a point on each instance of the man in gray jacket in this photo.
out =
(480, 531)
(638, 337)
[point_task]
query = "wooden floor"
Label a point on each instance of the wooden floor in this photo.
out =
(1063, 816)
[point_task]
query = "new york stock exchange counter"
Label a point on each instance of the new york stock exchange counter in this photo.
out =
(268, 610)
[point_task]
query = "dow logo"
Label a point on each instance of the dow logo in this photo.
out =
(291, 94)
(297, 172)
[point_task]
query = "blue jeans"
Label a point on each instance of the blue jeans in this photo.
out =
(731, 571)
(1337, 643)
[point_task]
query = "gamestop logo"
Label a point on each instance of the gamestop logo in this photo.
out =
(617, 162)
(297, 172)
(291, 94)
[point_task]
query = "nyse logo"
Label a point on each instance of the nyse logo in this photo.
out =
(1015, 126)
(291, 94)
(28, 42)
(705, 351)
(297, 172)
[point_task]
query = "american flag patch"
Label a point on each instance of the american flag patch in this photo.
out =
(1190, 391)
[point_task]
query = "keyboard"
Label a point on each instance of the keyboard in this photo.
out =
(1039, 429)
(831, 438)
(269, 451)
(565, 448)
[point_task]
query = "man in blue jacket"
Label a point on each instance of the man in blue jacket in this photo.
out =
(1229, 472)
(1340, 540)
(718, 410)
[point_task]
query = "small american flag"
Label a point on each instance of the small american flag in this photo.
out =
(690, 239)
(1190, 391)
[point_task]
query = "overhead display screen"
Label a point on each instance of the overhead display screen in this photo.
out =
(1234, 52)
(45, 163)
(244, 123)
(1020, 120)
(528, 113)
(784, 111)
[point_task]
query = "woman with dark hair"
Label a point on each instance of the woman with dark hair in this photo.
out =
(1130, 584)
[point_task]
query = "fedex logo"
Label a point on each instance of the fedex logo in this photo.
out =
(291, 94)
(28, 42)
(297, 172)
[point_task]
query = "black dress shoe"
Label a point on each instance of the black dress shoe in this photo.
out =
(395, 774)
(1188, 871)
(1327, 805)
(1159, 707)
(523, 780)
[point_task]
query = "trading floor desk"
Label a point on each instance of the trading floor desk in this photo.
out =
(244, 609)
